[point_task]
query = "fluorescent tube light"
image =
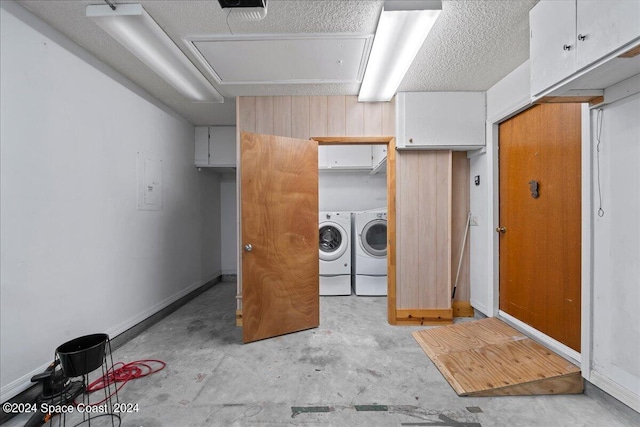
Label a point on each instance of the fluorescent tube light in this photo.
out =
(402, 29)
(134, 29)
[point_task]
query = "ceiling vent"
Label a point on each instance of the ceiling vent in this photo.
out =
(246, 10)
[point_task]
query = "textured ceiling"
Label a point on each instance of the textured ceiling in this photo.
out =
(473, 44)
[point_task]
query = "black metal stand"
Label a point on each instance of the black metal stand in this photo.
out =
(100, 408)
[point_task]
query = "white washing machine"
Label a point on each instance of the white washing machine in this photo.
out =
(370, 252)
(335, 253)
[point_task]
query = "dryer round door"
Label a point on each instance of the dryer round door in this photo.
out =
(374, 238)
(333, 241)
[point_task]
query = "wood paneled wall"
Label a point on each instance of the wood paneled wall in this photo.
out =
(423, 197)
(308, 116)
(432, 195)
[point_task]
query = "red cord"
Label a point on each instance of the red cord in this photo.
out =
(123, 373)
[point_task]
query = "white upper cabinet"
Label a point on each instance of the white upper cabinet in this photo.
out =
(575, 45)
(604, 26)
(553, 43)
(440, 120)
(344, 157)
(215, 146)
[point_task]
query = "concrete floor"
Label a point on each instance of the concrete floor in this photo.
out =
(353, 358)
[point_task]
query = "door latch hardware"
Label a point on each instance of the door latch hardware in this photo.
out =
(533, 186)
(501, 230)
(248, 247)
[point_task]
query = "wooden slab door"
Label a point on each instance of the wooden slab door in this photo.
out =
(279, 211)
(540, 219)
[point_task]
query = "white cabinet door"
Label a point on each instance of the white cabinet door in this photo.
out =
(552, 48)
(345, 157)
(440, 120)
(604, 26)
(349, 156)
(222, 146)
(202, 146)
(215, 146)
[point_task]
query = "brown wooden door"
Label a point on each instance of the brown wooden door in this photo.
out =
(279, 211)
(540, 246)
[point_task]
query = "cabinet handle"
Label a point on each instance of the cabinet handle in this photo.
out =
(566, 47)
(582, 37)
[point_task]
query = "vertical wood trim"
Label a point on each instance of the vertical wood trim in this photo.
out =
(460, 211)
(408, 223)
(441, 295)
(264, 115)
(392, 245)
(300, 117)
(245, 115)
(389, 117)
(335, 116)
(282, 116)
(373, 119)
(245, 122)
(354, 116)
(318, 116)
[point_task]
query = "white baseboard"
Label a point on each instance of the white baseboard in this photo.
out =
(24, 382)
(568, 353)
(614, 389)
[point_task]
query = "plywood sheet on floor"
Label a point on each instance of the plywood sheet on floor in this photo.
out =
(489, 358)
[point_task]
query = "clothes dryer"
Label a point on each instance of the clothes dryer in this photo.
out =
(370, 252)
(334, 246)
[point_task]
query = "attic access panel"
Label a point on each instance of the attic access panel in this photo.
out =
(283, 59)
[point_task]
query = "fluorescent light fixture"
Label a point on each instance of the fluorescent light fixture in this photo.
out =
(402, 29)
(134, 29)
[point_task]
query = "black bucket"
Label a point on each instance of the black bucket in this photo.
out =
(82, 355)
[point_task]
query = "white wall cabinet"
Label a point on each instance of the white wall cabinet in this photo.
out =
(215, 146)
(569, 36)
(345, 157)
(552, 48)
(440, 120)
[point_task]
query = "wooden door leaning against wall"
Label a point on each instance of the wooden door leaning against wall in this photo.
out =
(540, 219)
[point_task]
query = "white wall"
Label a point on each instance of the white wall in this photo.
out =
(616, 251)
(228, 220)
(351, 191)
(504, 99)
(77, 256)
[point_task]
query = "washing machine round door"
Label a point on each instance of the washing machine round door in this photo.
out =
(374, 238)
(333, 241)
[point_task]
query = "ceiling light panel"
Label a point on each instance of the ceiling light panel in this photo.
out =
(135, 29)
(283, 59)
(402, 29)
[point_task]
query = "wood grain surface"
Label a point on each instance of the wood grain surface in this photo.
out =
(489, 358)
(280, 220)
(540, 252)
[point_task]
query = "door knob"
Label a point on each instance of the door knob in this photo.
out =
(501, 230)
(566, 47)
(248, 247)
